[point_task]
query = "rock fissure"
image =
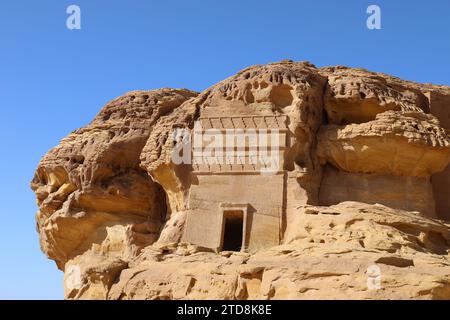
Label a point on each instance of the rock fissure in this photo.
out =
(361, 180)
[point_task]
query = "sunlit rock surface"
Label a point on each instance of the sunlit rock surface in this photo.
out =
(362, 185)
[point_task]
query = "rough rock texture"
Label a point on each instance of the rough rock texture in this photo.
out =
(398, 149)
(370, 93)
(328, 258)
(115, 210)
(395, 143)
(357, 96)
(93, 197)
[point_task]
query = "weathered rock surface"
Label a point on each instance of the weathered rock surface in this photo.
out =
(328, 258)
(357, 96)
(395, 143)
(116, 213)
(91, 190)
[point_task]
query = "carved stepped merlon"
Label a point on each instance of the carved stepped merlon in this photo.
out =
(233, 144)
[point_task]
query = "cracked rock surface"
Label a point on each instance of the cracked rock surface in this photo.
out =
(368, 197)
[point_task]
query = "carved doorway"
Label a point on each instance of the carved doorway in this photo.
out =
(234, 226)
(233, 230)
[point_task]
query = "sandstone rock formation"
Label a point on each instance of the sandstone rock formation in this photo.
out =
(327, 259)
(362, 182)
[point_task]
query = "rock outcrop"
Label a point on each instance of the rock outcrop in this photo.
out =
(329, 258)
(360, 193)
(94, 199)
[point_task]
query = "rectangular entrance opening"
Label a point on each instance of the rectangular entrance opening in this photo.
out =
(233, 230)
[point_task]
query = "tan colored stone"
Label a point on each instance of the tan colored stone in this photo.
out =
(327, 258)
(92, 180)
(124, 221)
(395, 143)
(357, 95)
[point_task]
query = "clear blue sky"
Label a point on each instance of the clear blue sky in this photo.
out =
(53, 80)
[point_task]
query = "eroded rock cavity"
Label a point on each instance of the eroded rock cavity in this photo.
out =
(113, 204)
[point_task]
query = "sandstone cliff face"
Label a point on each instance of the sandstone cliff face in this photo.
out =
(365, 181)
(328, 258)
(93, 197)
